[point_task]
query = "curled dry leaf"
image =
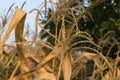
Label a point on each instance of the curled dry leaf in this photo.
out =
(18, 15)
(19, 37)
(85, 56)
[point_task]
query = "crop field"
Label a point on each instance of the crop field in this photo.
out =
(67, 53)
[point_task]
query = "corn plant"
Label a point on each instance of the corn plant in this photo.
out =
(64, 59)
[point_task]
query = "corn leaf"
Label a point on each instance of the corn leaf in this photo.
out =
(44, 75)
(18, 15)
(19, 34)
(67, 67)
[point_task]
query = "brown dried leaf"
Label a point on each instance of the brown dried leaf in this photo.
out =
(51, 55)
(36, 22)
(111, 74)
(67, 67)
(44, 75)
(19, 35)
(85, 56)
(19, 40)
(18, 15)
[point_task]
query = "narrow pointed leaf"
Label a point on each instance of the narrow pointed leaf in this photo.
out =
(19, 35)
(67, 67)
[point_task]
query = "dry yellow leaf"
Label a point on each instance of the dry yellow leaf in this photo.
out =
(44, 75)
(111, 74)
(37, 23)
(67, 67)
(18, 15)
(85, 56)
(19, 35)
(51, 55)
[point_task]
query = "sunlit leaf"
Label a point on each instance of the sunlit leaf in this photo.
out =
(18, 15)
(67, 67)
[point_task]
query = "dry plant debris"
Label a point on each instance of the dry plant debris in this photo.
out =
(40, 60)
